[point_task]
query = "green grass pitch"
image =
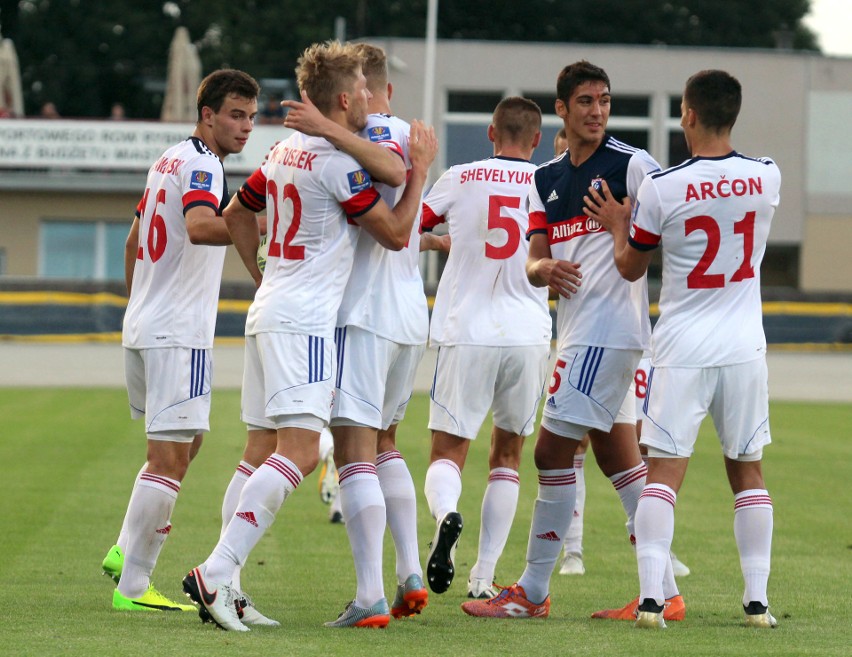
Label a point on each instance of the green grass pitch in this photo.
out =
(70, 455)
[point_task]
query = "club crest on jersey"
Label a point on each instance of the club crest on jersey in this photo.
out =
(201, 180)
(379, 133)
(358, 180)
(597, 184)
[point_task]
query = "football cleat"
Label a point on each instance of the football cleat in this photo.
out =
(151, 600)
(113, 563)
(377, 616)
(329, 486)
(217, 604)
(481, 589)
(411, 597)
(679, 568)
(440, 568)
(649, 616)
(674, 609)
(757, 615)
(572, 564)
(249, 615)
(511, 602)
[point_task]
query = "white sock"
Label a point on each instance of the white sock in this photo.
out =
(364, 514)
(629, 485)
(443, 488)
(498, 512)
(753, 520)
(148, 527)
(262, 496)
(401, 504)
(574, 538)
(654, 531)
(229, 507)
(121, 541)
(554, 508)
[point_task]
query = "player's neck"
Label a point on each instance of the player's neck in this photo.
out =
(379, 104)
(710, 145)
(206, 136)
(581, 150)
(513, 151)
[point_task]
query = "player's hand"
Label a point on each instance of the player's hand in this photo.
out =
(304, 117)
(561, 276)
(605, 209)
(422, 145)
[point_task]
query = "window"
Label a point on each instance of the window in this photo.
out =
(473, 101)
(82, 250)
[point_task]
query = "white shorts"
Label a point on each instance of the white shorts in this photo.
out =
(287, 375)
(471, 379)
(170, 387)
(375, 377)
(640, 386)
(736, 396)
(589, 389)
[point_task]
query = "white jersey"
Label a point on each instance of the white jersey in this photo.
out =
(712, 216)
(606, 311)
(175, 288)
(385, 291)
(313, 192)
(484, 297)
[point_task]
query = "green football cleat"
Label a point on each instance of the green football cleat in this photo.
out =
(113, 563)
(151, 600)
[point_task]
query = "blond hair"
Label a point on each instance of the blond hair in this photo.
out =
(374, 65)
(326, 70)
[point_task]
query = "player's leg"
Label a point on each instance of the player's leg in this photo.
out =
(287, 363)
(572, 548)
(740, 412)
(461, 396)
(517, 392)
(401, 505)
(677, 401)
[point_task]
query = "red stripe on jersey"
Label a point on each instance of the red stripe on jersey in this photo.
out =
(428, 220)
(252, 194)
(567, 230)
(538, 221)
(198, 197)
(393, 146)
(361, 202)
(643, 237)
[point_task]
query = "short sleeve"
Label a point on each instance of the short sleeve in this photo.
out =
(437, 202)
(646, 225)
(202, 183)
(641, 164)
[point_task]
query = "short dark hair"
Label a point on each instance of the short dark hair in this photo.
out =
(715, 97)
(573, 75)
(517, 119)
(217, 86)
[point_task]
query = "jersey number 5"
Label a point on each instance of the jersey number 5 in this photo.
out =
(698, 278)
(156, 238)
(496, 220)
(286, 249)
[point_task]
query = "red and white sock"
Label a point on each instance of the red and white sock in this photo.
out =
(121, 541)
(654, 531)
(498, 512)
(629, 485)
(554, 509)
(261, 498)
(574, 539)
(148, 527)
(364, 513)
(229, 506)
(401, 504)
(753, 521)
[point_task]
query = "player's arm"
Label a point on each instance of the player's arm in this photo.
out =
(204, 226)
(431, 242)
(392, 227)
(242, 224)
(543, 270)
(614, 215)
(381, 163)
(131, 248)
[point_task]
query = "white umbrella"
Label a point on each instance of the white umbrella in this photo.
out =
(182, 80)
(11, 94)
